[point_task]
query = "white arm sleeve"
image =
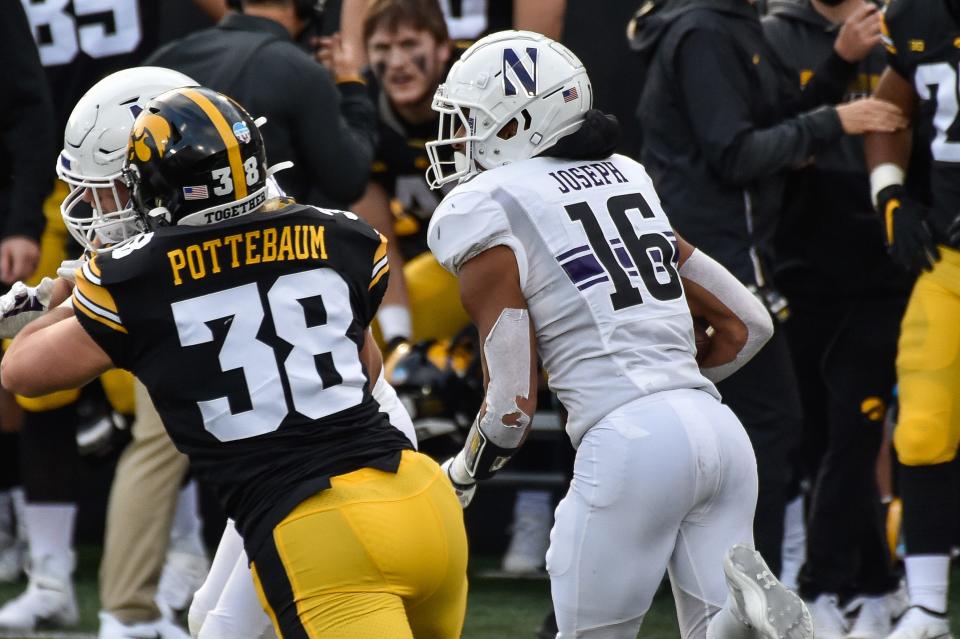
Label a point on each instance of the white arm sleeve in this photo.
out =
(702, 269)
(390, 404)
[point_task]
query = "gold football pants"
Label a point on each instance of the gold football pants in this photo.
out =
(376, 556)
(928, 367)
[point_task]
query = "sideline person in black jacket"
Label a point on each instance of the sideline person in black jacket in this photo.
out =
(722, 119)
(26, 170)
(328, 131)
(847, 298)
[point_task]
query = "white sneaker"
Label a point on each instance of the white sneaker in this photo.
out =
(920, 623)
(532, 520)
(794, 549)
(828, 619)
(761, 601)
(111, 628)
(48, 601)
(12, 548)
(874, 620)
(183, 574)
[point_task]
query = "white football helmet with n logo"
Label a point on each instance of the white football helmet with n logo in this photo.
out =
(508, 77)
(94, 147)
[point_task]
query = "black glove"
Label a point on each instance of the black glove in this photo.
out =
(954, 232)
(909, 241)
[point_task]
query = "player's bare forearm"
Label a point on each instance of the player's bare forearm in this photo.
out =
(729, 332)
(892, 148)
(371, 356)
(491, 294)
(489, 284)
(52, 353)
(542, 16)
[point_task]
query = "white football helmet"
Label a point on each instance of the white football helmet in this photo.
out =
(94, 147)
(509, 76)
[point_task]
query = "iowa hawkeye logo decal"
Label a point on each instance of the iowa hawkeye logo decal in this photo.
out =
(151, 133)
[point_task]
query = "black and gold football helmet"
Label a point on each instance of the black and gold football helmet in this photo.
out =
(195, 157)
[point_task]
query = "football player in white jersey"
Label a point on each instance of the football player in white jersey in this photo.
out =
(562, 248)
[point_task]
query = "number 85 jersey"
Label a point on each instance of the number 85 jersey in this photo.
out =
(923, 44)
(598, 267)
(247, 335)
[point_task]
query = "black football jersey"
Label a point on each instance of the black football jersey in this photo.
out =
(247, 335)
(470, 20)
(923, 43)
(399, 166)
(83, 41)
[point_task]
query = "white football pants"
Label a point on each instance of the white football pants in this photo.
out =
(667, 482)
(226, 606)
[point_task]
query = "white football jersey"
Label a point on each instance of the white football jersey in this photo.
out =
(598, 268)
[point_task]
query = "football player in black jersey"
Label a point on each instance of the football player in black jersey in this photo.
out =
(923, 41)
(249, 328)
(409, 50)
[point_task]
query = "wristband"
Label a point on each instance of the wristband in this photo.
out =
(884, 175)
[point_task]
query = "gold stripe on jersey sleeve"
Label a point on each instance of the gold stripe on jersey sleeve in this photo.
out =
(96, 294)
(77, 304)
(381, 250)
(229, 140)
(383, 271)
(96, 302)
(94, 266)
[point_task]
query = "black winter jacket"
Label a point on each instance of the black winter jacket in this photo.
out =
(722, 120)
(27, 136)
(329, 135)
(829, 240)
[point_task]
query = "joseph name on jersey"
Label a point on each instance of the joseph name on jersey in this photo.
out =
(598, 266)
(263, 319)
(923, 42)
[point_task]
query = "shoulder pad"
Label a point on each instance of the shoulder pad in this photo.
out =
(466, 223)
(125, 261)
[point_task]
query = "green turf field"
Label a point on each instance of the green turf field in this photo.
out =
(498, 608)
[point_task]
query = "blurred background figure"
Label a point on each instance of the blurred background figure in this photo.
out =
(722, 121)
(847, 297)
(322, 121)
(28, 142)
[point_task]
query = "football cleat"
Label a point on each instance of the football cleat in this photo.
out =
(920, 623)
(48, 601)
(828, 620)
(12, 547)
(530, 535)
(761, 601)
(183, 574)
(111, 628)
(873, 619)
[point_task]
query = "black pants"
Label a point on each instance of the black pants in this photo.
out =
(763, 394)
(50, 463)
(845, 351)
(9, 461)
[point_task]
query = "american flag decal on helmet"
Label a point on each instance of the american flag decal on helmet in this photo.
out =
(195, 193)
(569, 95)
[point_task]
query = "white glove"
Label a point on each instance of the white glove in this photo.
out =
(22, 304)
(463, 484)
(68, 268)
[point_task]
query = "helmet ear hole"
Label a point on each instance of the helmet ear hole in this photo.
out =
(508, 130)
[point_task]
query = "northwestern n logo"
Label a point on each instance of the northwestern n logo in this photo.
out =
(526, 77)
